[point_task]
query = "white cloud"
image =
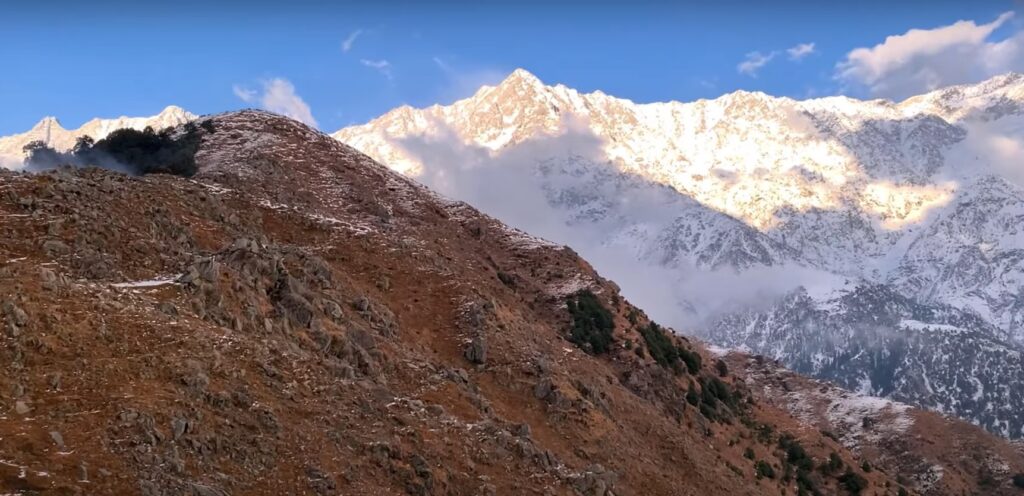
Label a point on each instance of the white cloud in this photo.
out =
(243, 93)
(382, 66)
(925, 59)
(465, 82)
(754, 62)
(800, 51)
(347, 43)
(991, 147)
(278, 96)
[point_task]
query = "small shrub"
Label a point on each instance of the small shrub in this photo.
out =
(691, 359)
(852, 482)
(692, 397)
(749, 453)
(1018, 480)
(507, 279)
(632, 316)
(714, 389)
(708, 412)
(832, 465)
(765, 433)
(866, 467)
(736, 470)
(764, 470)
(795, 453)
(723, 369)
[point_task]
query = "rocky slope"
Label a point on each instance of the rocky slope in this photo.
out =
(891, 436)
(298, 319)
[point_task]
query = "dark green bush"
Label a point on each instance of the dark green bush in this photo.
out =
(708, 411)
(852, 482)
(723, 369)
(832, 465)
(714, 388)
(691, 359)
(692, 397)
(764, 469)
(795, 453)
(659, 345)
(592, 325)
(1018, 480)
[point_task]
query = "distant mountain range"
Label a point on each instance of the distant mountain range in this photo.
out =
(52, 133)
(872, 243)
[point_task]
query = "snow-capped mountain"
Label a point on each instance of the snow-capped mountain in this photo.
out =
(49, 131)
(759, 199)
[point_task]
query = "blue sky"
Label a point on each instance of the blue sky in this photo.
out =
(76, 62)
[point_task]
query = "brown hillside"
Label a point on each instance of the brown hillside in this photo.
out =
(297, 319)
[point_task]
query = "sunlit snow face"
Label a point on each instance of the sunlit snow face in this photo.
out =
(899, 206)
(748, 155)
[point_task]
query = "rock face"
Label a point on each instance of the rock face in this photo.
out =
(751, 197)
(298, 319)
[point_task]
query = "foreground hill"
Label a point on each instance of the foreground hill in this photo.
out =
(298, 319)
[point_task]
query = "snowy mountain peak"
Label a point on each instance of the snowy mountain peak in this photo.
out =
(47, 123)
(521, 78)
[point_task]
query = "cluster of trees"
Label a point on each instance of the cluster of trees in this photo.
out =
(592, 323)
(666, 353)
(126, 150)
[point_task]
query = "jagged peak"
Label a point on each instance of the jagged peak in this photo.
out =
(48, 122)
(523, 75)
(174, 110)
(521, 78)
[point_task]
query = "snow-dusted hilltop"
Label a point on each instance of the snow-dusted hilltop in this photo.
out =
(855, 228)
(53, 134)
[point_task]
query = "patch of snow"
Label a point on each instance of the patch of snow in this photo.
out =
(150, 283)
(916, 325)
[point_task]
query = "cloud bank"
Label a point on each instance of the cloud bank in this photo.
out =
(563, 188)
(922, 60)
